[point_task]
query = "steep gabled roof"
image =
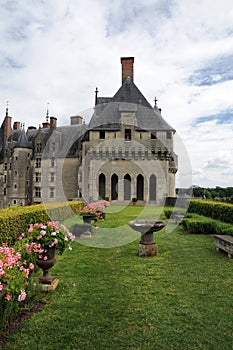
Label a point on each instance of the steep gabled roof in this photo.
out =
(129, 92)
(128, 98)
(22, 141)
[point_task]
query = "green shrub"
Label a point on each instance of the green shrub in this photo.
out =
(194, 223)
(15, 220)
(214, 210)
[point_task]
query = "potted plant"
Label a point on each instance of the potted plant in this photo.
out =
(48, 238)
(93, 211)
(134, 200)
(88, 212)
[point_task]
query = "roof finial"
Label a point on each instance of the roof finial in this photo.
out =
(96, 95)
(47, 113)
(155, 102)
(7, 103)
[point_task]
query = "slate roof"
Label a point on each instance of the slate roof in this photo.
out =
(22, 141)
(128, 98)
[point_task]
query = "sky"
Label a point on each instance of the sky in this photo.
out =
(58, 52)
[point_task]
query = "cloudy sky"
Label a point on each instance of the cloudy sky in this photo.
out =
(60, 51)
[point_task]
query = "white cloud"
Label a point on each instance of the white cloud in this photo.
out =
(59, 51)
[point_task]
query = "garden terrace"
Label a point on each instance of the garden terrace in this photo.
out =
(113, 299)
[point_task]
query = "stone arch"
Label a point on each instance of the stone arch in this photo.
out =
(114, 187)
(102, 186)
(140, 187)
(127, 187)
(152, 188)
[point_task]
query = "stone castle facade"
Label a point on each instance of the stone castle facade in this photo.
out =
(125, 151)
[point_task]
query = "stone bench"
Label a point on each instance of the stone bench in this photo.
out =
(225, 243)
(177, 218)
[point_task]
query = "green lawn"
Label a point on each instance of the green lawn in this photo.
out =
(110, 299)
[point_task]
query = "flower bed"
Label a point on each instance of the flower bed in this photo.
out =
(17, 263)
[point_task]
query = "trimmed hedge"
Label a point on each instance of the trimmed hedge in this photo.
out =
(214, 210)
(199, 224)
(15, 220)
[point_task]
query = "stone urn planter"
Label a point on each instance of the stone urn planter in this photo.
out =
(46, 262)
(87, 218)
(147, 246)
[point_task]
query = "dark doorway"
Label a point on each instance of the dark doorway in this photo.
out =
(127, 187)
(152, 190)
(140, 187)
(114, 187)
(102, 186)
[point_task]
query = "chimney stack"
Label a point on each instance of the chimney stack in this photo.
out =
(46, 125)
(16, 126)
(127, 67)
(76, 120)
(53, 123)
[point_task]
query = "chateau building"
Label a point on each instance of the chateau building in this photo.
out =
(125, 151)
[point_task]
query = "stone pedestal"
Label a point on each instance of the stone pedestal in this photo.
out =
(147, 249)
(50, 287)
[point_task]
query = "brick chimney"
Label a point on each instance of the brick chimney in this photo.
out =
(46, 125)
(6, 128)
(16, 126)
(127, 67)
(53, 123)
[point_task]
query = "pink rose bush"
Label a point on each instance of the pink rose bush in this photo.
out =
(14, 273)
(16, 264)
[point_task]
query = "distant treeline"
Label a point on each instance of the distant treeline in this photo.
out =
(218, 193)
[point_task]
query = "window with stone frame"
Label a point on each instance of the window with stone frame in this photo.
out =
(102, 134)
(38, 162)
(38, 147)
(52, 162)
(38, 177)
(127, 134)
(37, 192)
(153, 135)
(169, 135)
(52, 177)
(51, 192)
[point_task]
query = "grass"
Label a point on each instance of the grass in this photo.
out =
(113, 299)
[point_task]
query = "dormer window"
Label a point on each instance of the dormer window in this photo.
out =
(38, 147)
(127, 134)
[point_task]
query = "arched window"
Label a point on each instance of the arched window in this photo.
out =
(152, 189)
(127, 187)
(140, 187)
(114, 187)
(102, 186)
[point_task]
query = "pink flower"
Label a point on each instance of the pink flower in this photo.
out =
(22, 295)
(45, 258)
(8, 297)
(31, 266)
(30, 228)
(1, 286)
